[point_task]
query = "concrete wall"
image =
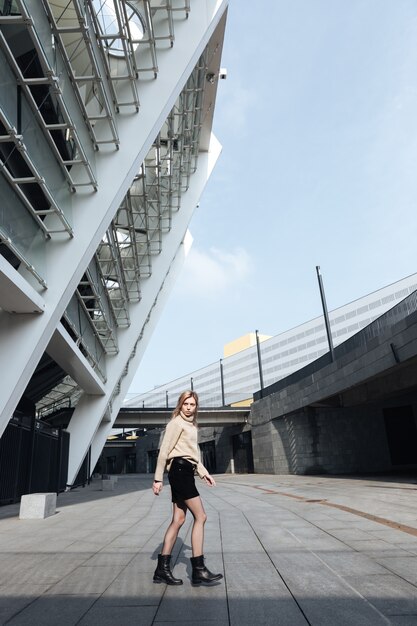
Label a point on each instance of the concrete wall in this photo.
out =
(144, 444)
(319, 441)
(223, 443)
(332, 420)
(334, 440)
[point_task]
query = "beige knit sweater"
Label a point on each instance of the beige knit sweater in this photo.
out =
(180, 439)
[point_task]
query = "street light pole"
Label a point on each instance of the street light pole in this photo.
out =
(325, 312)
(258, 350)
(222, 381)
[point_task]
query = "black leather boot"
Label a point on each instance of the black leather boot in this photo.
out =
(200, 572)
(163, 572)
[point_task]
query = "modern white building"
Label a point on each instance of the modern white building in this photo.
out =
(106, 144)
(235, 378)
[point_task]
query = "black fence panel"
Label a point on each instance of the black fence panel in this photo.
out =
(10, 445)
(21, 464)
(44, 460)
(33, 458)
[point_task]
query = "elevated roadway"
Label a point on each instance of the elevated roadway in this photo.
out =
(135, 417)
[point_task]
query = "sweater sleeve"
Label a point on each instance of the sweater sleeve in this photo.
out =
(201, 470)
(171, 436)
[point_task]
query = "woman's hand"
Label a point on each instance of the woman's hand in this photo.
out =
(209, 480)
(157, 487)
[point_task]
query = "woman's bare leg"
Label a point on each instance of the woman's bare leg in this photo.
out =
(179, 511)
(195, 505)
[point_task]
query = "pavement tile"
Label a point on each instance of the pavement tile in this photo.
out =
(265, 610)
(51, 611)
(186, 604)
(86, 580)
(133, 589)
(14, 599)
(393, 551)
(108, 558)
(407, 547)
(143, 562)
(391, 535)
(405, 566)
(253, 579)
(349, 563)
(123, 615)
(389, 594)
(323, 596)
(201, 622)
(371, 545)
(258, 559)
(348, 534)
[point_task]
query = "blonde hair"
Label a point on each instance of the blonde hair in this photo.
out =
(183, 397)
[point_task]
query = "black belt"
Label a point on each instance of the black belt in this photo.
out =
(181, 461)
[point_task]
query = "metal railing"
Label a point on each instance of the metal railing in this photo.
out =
(378, 327)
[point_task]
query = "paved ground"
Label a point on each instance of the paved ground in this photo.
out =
(325, 551)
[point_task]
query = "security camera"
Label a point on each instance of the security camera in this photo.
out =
(223, 73)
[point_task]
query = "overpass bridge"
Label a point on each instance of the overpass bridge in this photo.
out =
(135, 417)
(140, 417)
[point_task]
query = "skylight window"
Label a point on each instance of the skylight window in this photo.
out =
(110, 22)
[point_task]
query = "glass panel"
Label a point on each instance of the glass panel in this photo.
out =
(9, 7)
(90, 345)
(19, 227)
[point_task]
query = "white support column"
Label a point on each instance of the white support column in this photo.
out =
(87, 425)
(23, 339)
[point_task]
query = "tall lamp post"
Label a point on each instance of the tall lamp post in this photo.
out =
(258, 350)
(325, 312)
(222, 382)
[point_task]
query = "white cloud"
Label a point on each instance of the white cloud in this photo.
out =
(208, 274)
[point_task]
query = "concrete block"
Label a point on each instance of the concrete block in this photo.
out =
(37, 505)
(107, 484)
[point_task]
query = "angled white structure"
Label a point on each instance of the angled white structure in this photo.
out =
(106, 113)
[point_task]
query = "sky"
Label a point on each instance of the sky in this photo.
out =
(318, 123)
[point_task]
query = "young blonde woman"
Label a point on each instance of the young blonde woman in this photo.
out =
(179, 453)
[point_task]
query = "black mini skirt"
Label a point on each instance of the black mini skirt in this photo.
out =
(181, 479)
